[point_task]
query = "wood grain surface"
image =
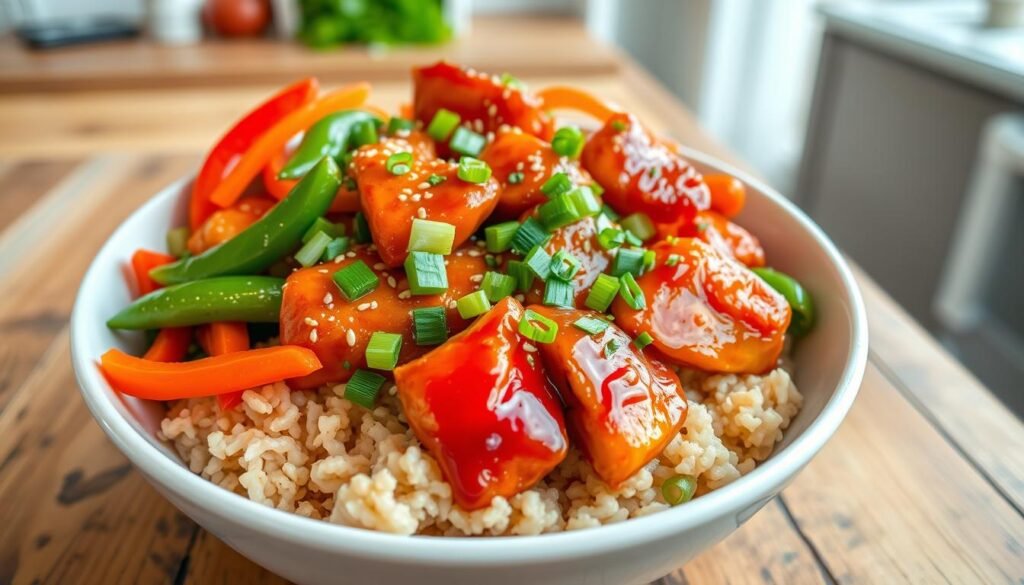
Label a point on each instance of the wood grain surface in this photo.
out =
(923, 483)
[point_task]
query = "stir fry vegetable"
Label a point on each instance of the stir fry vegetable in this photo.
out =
(799, 301)
(331, 136)
(255, 299)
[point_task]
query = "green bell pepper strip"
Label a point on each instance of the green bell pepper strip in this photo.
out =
(331, 136)
(795, 294)
(255, 299)
(268, 239)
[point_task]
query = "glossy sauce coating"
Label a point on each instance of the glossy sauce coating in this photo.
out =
(483, 102)
(224, 224)
(482, 406)
(708, 311)
(579, 239)
(640, 174)
(622, 408)
(531, 159)
(725, 236)
(391, 202)
(312, 303)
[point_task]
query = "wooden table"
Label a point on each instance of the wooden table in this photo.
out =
(923, 483)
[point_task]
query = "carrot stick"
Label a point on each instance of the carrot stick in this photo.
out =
(222, 338)
(142, 262)
(210, 376)
(273, 141)
(560, 97)
(170, 345)
(728, 194)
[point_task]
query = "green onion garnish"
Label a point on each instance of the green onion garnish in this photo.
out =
(591, 325)
(522, 273)
(585, 202)
(398, 163)
(678, 489)
(631, 292)
(361, 229)
(497, 286)
(556, 185)
(643, 340)
(610, 238)
(632, 239)
(429, 326)
(641, 225)
(530, 233)
(426, 273)
(649, 258)
(333, 230)
(515, 178)
(362, 388)
(539, 262)
(473, 304)
(619, 125)
(499, 236)
(356, 280)
(177, 241)
(431, 236)
(382, 351)
(363, 133)
(436, 180)
(509, 80)
(441, 126)
(672, 260)
(558, 212)
(558, 293)
(602, 293)
(611, 347)
(473, 170)
(397, 124)
(537, 327)
(467, 142)
(335, 248)
(490, 261)
(564, 265)
(628, 260)
(609, 213)
(567, 141)
(311, 252)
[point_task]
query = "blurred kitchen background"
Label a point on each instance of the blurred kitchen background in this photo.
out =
(896, 124)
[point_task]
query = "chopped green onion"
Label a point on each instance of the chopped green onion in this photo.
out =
(472, 170)
(436, 180)
(619, 125)
(515, 178)
(311, 252)
(431, 236)
(382, 351)
(177, 241)
(473, 304)
(522, 273)
(442, 125)
(610, 238)
(509, 80)
(349, 183)
(601, 223)
(678, 489)
(426, 273)
(643, 340)
(397, 124)
(558, 293)
(333, 230)
(641, 225)
(649, 259)
(537, 327)
(429, 326)
(363, 133)
(585, 202)
(498, 286)
(539, 262)
(564, 265)
(558, 212)
(609, 213)
(567, 141)
(499, 236)
(361, 229)
(672, 260)
(467, 142)
(335, 248)
(628, 260)
(346, 364)
(399, 163)
(591, 325)
(362, 388)
(602, 293)
(356, 280)
(556, 185)
(490, 261)
(631, 292)
(597, 189)
(611, 347)
(631, 239)
(530, 233)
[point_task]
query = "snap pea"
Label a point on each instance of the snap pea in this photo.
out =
(267, 240)
(331, 136)
(798, 298)
(255, 299)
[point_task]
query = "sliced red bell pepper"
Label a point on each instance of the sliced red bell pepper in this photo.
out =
(142, 262)
(222, 338)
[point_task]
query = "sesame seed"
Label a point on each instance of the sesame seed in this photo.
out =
(380, 266)
(529, 347)
(452, 304)
(311, 322)
(476, 278)
(350, 337)
(363, 306)
(313, 336)
(424, 185)
(328, 298)
(392, 282)
(405, 294)
(421, 213)
(373, 305)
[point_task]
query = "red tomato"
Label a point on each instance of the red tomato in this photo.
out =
(622, 408)
(708, 311)
(480, 99)
(483, 407)
(640, 174)
(725, 236)
(312, 302)
(238, 18)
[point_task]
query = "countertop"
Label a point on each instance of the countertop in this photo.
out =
(924, 481)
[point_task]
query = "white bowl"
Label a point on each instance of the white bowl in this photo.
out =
(830, 364)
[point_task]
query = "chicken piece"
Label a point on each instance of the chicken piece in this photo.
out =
(725, 236)
(483, 407)
(579, 239)
(224, 224)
